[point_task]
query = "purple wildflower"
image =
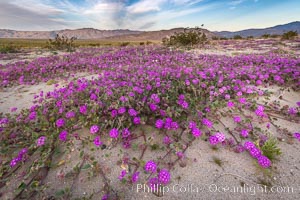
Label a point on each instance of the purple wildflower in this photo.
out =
(192, 124)
(244, 133)
(13, 162)
(41, 141)
(196, 132)
(94, 129)
(60, 122)
(97, 141)
(122, 174)
(164, 176)
(207, 123)
(135, 177)
(237, 119)
(70, 114)
(230, 104)
(167, 140)
(184, 104)
(4, 121)
(121, 110)
(105, 197)
(83, 109)
(242, 100)
(249, 145)
(155, 98)
(150, 166)
(220, 136)
(297, 136)
(93, 97)
(32, 116)
(114, 113)
(114, 133)
(125, 133)
(174, 125)
(227, 96)
(168, 123)
(132, 112)
(152, 107)
(136, 120)
(180, 154)
(213, 140)
(162, 113)
(159, 123)
(263, 161)
(292, 111)
(255, 152)
(63, 136)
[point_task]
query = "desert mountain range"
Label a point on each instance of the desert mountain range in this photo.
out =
(125, 34)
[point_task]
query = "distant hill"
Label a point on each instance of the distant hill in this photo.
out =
(84, 33)
(279, 29)
(90, 33)
(130, 35)
(155, 35)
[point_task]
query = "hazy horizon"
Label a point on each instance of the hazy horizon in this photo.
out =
(146, 15)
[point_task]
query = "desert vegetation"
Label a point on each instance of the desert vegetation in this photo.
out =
(188, 38)
(141, 100)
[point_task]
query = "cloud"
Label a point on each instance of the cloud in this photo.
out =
(145, 6)
(37, 7)
(186, 2)
(101, 14)
(141, 22)
(236, 2)
(147, 25)
(108, 14)
(29, 16)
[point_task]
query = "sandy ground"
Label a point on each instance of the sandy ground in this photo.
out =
(27, 55)
(197, 176)
(258, 46)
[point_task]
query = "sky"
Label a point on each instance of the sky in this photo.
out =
(216, 15)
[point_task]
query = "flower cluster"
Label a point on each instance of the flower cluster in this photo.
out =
(181, 101)
(94, 129)
(255, 152)
(41, 141)
(150, 166)
(114, 133)
(260, 111)
(21, 156)
(60, 122)
(97, 141)
(207, 122)
(217, 138)
(136, 88)
(194, 130)
(168, 124)
(63, 135)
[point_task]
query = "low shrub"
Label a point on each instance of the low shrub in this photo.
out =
(62, 43)
(187, 38)
(289, 35)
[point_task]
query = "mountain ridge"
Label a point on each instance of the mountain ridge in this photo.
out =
(256, 32)
(126, 34)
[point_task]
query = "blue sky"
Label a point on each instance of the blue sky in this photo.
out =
(216, 15)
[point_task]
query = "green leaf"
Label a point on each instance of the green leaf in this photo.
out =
(59, 193)
(81, 154)
(86, 166)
